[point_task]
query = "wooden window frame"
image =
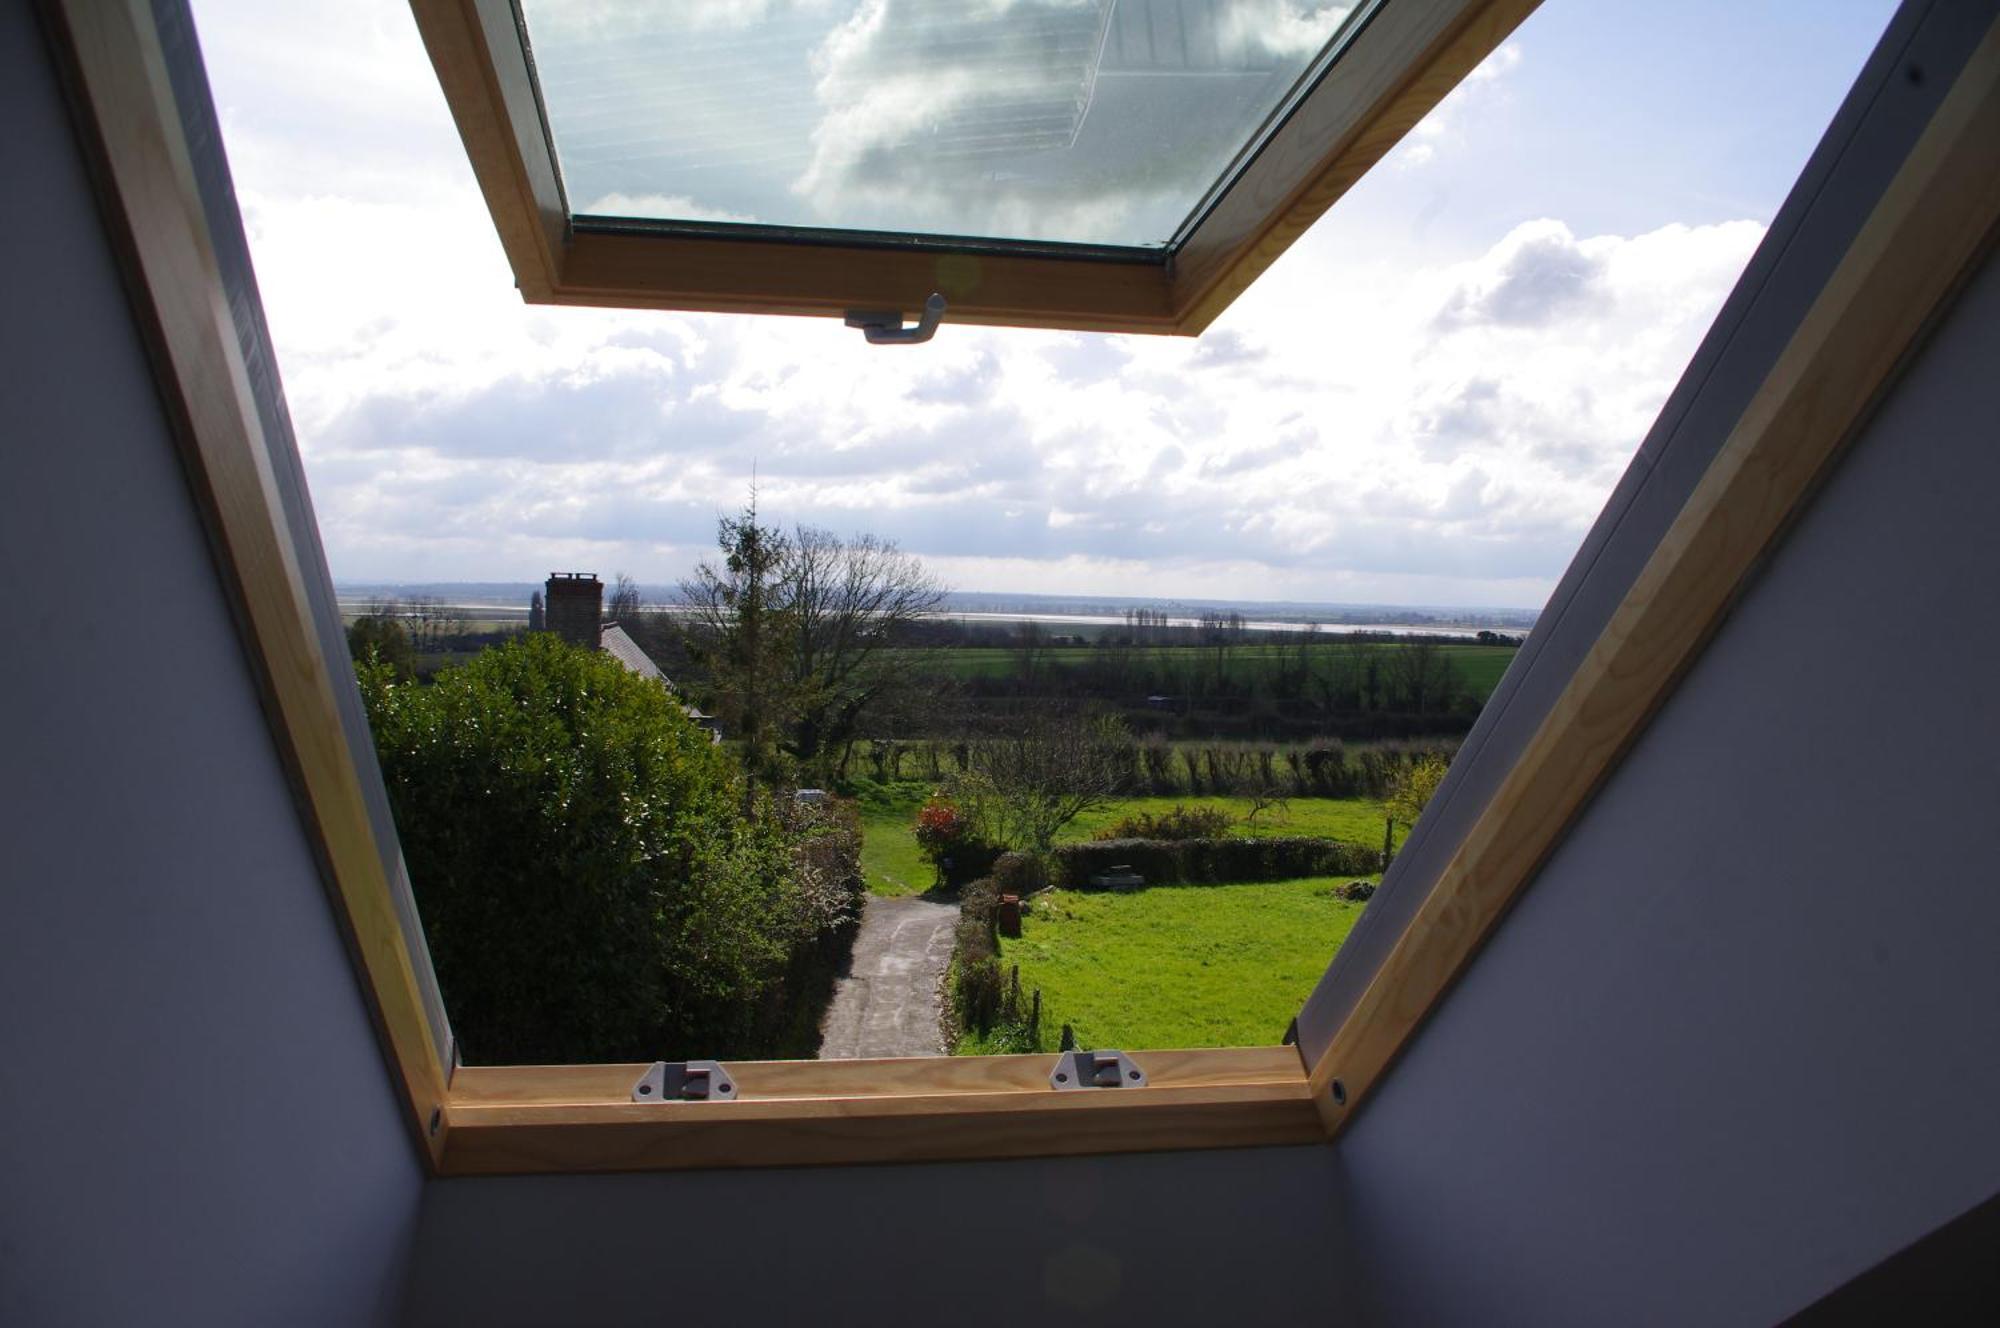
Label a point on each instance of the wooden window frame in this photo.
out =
(1404, 60)
(1931, 226)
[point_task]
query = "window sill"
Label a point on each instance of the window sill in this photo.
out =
(525, 1119)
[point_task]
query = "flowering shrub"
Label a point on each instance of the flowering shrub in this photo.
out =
(941, 828)
(949, 836)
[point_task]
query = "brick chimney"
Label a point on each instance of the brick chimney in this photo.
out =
(574, 605)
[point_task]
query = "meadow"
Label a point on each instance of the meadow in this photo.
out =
(1174, 966)
(1479, 667)
(893, 865)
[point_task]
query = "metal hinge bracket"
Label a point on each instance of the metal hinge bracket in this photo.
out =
(884, 327)
(1096, 1069)
(685, 1081)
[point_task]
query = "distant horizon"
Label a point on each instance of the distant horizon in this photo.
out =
(976, 601)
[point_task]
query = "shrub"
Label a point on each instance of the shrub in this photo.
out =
(941, 827)
(1019, 874)
(1358, 891)
(949, 836)
(980, 899)
(1209, 861)
(976, 985)
(588, 886)
(1179, 823)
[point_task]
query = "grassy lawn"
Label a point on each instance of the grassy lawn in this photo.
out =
(1177, 966)
(1356, 820)
(889, 856)
(893, 866)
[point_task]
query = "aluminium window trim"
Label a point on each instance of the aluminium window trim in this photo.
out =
(1935, 220)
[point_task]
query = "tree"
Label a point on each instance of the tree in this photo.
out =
(1025, 785)
(537, 615)
(735, 633)
(382, 639)
(588, 888)
(1423, 675)
(847, 605)
(1265, 796)
(1410, 792)
(623, 606)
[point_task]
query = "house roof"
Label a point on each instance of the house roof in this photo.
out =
(614, 642)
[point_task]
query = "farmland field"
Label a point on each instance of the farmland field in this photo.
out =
(1176, 966)
(1479, 666)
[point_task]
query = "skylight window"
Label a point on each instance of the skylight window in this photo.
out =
(1069, 121)
(1091, 165)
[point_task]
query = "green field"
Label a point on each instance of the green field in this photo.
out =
(1176, 966)
(890, 859)
(1356, 820)
(893, 866)
(1479, 666)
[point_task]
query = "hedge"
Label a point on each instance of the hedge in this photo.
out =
(1210, 861)
(589, 888)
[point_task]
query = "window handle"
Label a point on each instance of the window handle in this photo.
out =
(885, 328)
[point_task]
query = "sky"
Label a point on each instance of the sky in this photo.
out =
(1425, 401)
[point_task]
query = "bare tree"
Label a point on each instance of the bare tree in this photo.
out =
(847, 607)
(430, 622)
(1025, 785)
(623, 606)
(1423, 674)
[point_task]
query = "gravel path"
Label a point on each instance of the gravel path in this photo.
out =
(887, 1002)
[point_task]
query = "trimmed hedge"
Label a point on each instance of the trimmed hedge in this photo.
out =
(1210, 861)
(975, 960)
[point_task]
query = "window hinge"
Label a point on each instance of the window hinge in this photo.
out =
(684, 1081)
(1096, 1069)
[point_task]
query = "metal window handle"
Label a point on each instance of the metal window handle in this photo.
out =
(885, 328)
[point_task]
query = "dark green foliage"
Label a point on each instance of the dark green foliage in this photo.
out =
(980, 899)
(977, 987)
(1179, 823)
(588, 889)
(1358, 891)
(968, 862)
(384, 639)
(1209, 861)
(1019, 874)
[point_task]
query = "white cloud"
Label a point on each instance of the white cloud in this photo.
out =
(672, 207)
(1445, 126)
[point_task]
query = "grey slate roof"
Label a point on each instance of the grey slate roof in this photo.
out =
(613, 642)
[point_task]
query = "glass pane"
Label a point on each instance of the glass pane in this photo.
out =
(1085, 121)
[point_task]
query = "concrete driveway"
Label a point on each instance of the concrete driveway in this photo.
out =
(887, 1002)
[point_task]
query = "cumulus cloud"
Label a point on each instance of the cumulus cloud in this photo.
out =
(1537, 273)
